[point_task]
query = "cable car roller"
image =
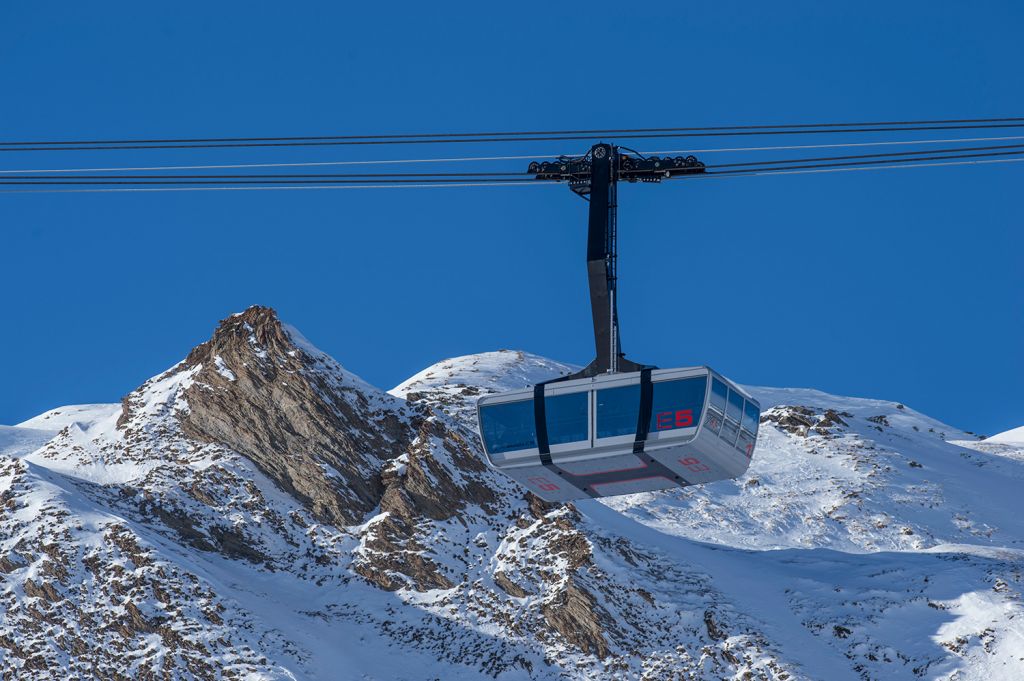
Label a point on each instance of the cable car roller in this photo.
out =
(617, 427)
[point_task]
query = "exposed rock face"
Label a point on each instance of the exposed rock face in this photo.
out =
(801, 420)
(318, 432)
(100, 600)
(573, 614)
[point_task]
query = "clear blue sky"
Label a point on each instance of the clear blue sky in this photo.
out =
(904, 285)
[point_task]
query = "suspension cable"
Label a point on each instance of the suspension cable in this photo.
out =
(759, 173)
(494, 176)
(827, 169)
(301, 164)
(454, 135)
(722, 131)
(916, 152)
(895, 161)
(271, 188)
(270, 176)
(836, 145)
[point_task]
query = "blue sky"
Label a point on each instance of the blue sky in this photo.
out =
(902, 285)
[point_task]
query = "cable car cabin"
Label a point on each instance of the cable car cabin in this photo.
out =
(620, 433)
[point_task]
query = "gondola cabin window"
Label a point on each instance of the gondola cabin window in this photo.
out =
(567, 418)
(677, 404)
(617, 411)
(508, 427)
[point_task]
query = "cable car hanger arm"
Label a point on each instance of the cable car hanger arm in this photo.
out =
(595, 176)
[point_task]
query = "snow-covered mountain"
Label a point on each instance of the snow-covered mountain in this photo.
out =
(1014, 436)
(258, 512)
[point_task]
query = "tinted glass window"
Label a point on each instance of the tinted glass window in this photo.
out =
(678, 404)
(745, 443)
(735, 407)
(729, 431)
(713, 422)
(508, 427)
(618, 410)
(750, 416)
(567, 418)
(718, 394)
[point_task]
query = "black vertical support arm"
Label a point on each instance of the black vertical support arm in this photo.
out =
(601, 263)
(596, 176)
(599, 274)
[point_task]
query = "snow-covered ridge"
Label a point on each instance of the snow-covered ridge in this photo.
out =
(494, 371)
(321, 358)
(1014, 436)
(16, 441)
(84, 414)
(899, 415)
(452, 385)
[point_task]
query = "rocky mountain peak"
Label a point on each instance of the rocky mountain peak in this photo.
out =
(259, 338)
(258, 328)
(260, 389)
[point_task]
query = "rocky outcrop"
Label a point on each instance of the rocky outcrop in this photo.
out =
(573, 615)
(803, 421)
(319, 433)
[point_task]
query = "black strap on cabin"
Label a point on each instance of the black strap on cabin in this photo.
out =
(540, 424)
(643, 422)
(643, 427)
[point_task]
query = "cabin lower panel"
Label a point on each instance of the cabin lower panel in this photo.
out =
(705, 459)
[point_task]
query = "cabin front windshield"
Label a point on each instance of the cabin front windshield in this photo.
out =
(508, 427)
(677, 404)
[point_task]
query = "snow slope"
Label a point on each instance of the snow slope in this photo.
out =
(1014, 436)
(55, 419)
(26, 437)
(850, 474)
(18, 441)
